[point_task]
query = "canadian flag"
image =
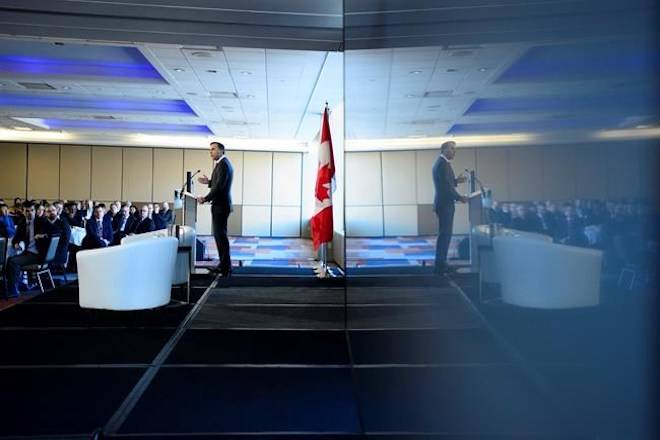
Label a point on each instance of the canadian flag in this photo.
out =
(322, 219)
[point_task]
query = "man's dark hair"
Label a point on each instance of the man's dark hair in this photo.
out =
(28, 204)
(99, 205)
(3, 205)
(220, 146)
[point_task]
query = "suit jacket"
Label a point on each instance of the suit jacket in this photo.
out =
(445, 185)
(92, 239)
(63, 230)
(159, 223)
(41, 226)
(7, 227)
(75, 221)
(146, 225)
(130, 224)
(167, 217)
(220, 184)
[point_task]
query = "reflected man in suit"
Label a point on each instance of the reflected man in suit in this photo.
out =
(123, 224)
(220, 198)
(446, 195)
(145, 224)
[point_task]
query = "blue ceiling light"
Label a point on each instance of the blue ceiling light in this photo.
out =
(43, 59)
(572, 62)
(159, 106)
(620, 103)
(533, 126)
(80, 124)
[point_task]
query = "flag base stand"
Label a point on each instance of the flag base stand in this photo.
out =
(322, 270)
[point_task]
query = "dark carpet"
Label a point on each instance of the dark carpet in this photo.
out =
(446, 316)
(277, 295)
(40, 315)
(261, 347)
(464, 346)
(266, 317)
(40, 401)
(247, 400)
(74, 347)
(482, 400)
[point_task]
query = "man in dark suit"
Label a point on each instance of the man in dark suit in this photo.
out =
(145, 224)
(99, 230)
(7, 226)
(31, 240)
(446, 195)
(220, 198)
(61, 229)
(123, 224)
(166, 215)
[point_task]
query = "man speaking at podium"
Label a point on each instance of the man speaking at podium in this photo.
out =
(220, 198)
(446, 195)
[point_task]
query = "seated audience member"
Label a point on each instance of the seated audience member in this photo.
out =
(17, 209)
(70, 215)
(112, 212)
(570, 228)
(99, 230)
(59, 205)
(124, 224)
(7, 227)
(145, 224)
(524, 221)
(86, 212)
(547, 221)
(41, 209)
(31, 241)
(60, 228)
(156, 217)
(132, 209)
(151, 210)
(166, 215)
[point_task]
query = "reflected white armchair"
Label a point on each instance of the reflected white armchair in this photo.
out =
(540, 274)
(133, 276)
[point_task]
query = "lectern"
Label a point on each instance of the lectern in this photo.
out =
(185, 211)
(477, 215)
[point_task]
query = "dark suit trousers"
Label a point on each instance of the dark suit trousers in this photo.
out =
(14, 269)
(219, 223)
(445, 229)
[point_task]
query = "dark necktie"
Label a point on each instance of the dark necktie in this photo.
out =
(99, 229)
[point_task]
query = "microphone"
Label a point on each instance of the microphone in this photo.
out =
(188, 180)
(473, 176)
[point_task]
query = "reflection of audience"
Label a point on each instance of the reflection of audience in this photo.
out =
(7, 227)
(624, 230)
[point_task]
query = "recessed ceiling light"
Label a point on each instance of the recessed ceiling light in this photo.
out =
(200, 54)
(245, 72)
(642, 126)
(23, 128)
(483, 69)
(191, 94)
(58, 43)
(178, 69)
(415, 72)
(66, 88)
(452, 70)
(410, 95)
(248, 96)
(212, 71)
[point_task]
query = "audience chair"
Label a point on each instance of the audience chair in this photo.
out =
(44, 266)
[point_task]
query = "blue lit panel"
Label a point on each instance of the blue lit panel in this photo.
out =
(582, 62)
(167, 106)
(79, 60)
(532, 126)
(622, 102)
(77, 124)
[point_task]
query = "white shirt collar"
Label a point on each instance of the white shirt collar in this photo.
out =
(224, 156)
(444, 157)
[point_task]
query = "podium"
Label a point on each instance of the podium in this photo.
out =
(185, 210)
(478, 214)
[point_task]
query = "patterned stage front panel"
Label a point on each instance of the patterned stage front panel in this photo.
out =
(360, 252)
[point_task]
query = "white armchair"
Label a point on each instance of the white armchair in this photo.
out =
(133, 276)
(185, 260)
(540, 274)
